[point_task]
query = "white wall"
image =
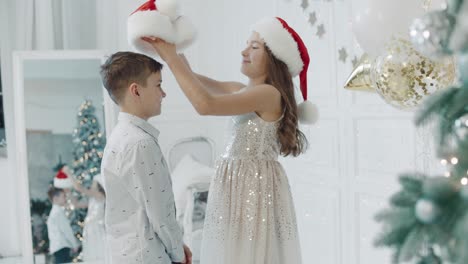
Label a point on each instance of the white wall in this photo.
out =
(52, 104)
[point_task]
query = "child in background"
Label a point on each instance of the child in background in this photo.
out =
(62, 240)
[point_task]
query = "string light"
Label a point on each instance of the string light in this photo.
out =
(454, 160)
(464, 181)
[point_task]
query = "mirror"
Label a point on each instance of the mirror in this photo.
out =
(63, 115)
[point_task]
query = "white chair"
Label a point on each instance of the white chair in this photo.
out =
(202, 150)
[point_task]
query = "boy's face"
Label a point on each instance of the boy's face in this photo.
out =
(60, 199)
(151, 95)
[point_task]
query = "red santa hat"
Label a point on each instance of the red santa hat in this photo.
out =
(61, 180)
(163, 21)
(287, 46)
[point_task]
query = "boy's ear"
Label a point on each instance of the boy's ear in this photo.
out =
(134, 89)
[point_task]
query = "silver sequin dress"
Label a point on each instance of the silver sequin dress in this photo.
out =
(94, 234)
(250, 216)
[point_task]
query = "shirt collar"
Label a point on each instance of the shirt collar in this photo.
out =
(139, 122)
(58, 207)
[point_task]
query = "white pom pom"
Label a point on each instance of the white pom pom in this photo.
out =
(308, 112)
(185, 32)
(169, 8)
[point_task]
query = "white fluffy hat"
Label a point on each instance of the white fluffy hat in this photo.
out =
(287, 46)
(62, 180)
(160, 20)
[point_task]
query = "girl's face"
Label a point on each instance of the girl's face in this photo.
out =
(254, 57)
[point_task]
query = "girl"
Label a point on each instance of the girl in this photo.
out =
(94, 235)
(250, 214)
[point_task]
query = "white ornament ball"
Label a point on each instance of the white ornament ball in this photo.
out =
(426, 211)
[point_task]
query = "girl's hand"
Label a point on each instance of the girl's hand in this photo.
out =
(77, 185)
(72, 177)
(167, 51)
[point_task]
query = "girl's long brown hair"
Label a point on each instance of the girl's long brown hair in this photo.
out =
(292, 140)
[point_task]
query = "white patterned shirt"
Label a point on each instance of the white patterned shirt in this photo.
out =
(59, 230)
(140, 211)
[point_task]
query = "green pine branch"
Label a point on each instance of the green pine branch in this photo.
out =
(434, 105)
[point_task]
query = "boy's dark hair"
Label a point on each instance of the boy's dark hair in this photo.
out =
(52, 192)
(125, 67)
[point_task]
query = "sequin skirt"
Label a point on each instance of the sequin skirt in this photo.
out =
(250, 216)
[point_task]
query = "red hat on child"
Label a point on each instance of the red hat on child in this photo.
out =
(287, 46)
(61, 180)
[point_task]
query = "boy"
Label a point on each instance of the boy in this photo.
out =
(61, 237)
(140, 211)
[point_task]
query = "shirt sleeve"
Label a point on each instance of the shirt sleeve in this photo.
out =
(67, 231)
(153, 189)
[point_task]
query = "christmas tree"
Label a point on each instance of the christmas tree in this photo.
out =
(89, 144)
(427, 221)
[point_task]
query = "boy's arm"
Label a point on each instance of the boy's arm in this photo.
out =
(153, 190)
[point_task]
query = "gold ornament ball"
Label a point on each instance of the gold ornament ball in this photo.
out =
(404, 78)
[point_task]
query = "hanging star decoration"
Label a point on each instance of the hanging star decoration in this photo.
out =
(305, 4)
(320, 30)
(342, 54)
(312, 18)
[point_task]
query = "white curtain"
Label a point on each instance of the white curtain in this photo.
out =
(78, 20)
(55, 24)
